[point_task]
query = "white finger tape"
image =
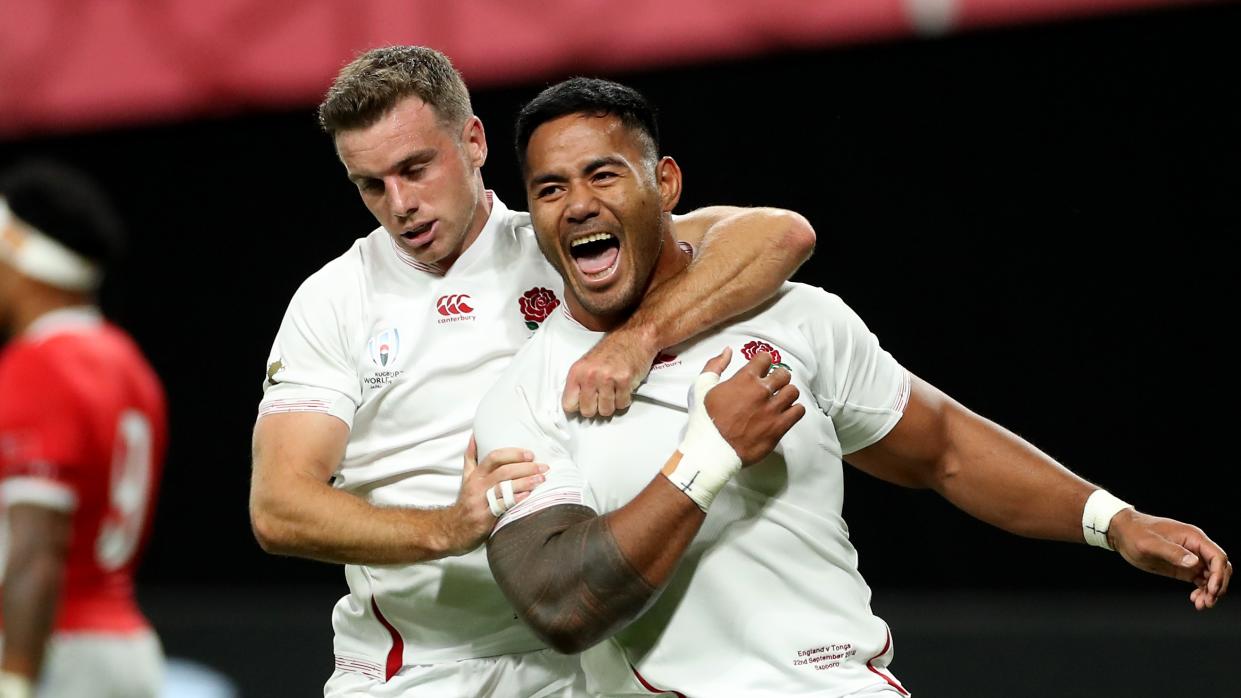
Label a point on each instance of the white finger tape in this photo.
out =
(506, 491)
(497, 507)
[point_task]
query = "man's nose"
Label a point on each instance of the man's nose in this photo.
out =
(581, 206)
(402, 198)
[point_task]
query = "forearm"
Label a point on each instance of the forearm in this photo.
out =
(311, 519)
(577, 578)
(998, 477)
(742, 261)
(31, 591)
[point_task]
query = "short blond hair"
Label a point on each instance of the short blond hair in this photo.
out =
(375, 81)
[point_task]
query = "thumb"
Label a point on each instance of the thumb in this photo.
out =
(471, 457)
(1173, 560)
(720, 362)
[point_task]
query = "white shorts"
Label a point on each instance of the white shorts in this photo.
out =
(102, 666)
(539, 674)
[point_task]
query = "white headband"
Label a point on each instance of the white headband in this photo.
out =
(40, 257)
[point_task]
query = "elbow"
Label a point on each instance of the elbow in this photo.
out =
(272, 534)
(799, 237)
(565, 638)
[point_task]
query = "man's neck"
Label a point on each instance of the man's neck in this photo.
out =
(482, 213)
(36, 304)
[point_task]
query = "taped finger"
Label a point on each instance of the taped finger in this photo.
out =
(497, 509)
(506, 491)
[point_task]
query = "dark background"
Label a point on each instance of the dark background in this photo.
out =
(1038, 220)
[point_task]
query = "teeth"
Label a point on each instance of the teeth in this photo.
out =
(591, 238)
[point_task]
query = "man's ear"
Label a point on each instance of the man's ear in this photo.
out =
(668, 174)
(474, 138)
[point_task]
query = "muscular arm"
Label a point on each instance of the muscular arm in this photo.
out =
(998, 477)
(33, 577)
(577, 578)
(743, 257)
(982, 468)
(295, 511)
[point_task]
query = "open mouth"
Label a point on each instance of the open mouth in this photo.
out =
(419, 235)
(595, 255)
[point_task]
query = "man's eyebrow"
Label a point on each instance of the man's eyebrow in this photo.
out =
(415, 158)
(603, 162)
(548, 177)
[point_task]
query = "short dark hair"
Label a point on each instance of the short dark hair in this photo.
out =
(65, 205)
(593, 96)
(375, 81)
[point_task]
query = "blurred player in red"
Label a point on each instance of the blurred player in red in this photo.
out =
(82, 436)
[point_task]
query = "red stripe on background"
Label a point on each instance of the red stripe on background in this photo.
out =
(880, 674)
(647, 685)
(396, 655)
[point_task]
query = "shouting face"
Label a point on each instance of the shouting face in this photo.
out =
(599, 199)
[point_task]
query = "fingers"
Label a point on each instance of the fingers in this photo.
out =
(516, 472)
(785, 396)
(1220, 573)
(471, 458)
(509, 485)
(759, 366)
(623, 399)
(606, 403)
(720, 362)
(571, 400)
(501, 456)
(776, 378)
(591, 392)
(1216, 572)
(790, 417)
(1161, 556)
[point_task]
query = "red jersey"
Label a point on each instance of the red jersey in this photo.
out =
(83, 428)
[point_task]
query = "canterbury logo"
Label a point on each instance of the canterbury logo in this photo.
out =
(454, 305)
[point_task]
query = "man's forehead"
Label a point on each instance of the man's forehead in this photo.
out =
(575, 140)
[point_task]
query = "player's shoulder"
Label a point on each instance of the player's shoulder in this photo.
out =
(340, 279)
(23, 357)
(797, 300)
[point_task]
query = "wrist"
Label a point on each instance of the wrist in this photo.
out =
(705, 462)
(454, 536)
(643, 335)
(1097, 515)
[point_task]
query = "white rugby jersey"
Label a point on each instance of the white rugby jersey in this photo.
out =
(768, 600)
(403, 353)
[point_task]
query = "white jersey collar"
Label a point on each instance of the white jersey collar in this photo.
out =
(481, 247)
(68, 319)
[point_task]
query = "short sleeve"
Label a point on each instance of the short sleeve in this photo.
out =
(45, 437)
(859, 384)
(511, 417)
(310, 368)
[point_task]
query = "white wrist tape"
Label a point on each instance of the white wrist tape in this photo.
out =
(1097, 515)
(38, 256)
(707, 461)
(15, 686)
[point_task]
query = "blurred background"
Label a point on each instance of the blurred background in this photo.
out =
(1033, 203)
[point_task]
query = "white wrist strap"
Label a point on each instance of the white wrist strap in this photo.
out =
(707, 461)
(1097, 515)
(15, 686)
